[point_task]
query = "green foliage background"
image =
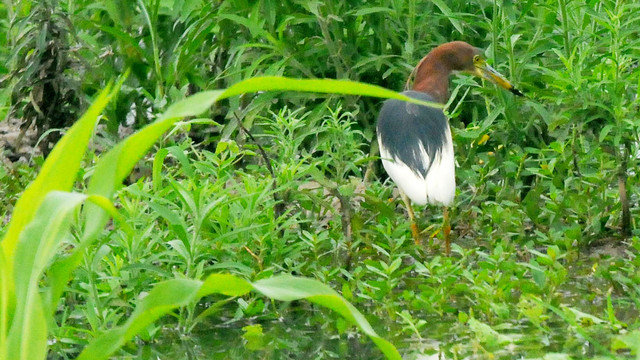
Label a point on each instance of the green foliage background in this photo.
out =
(544, 262)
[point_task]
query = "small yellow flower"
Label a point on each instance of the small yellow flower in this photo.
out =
(483, 139)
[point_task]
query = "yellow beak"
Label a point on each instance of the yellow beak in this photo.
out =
(485, 71)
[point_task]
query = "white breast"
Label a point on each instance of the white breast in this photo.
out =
(438, 187)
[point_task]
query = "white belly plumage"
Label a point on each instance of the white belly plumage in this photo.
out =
(438, 187)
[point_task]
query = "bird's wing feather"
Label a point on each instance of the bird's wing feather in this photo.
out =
(409, 131)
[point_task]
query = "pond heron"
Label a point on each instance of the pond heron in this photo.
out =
(415, 141)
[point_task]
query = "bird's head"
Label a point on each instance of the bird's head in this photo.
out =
(463, 57)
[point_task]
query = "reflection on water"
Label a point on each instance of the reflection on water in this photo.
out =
(292, 337)
(304, 331)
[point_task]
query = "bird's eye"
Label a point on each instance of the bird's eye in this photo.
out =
(476, 58)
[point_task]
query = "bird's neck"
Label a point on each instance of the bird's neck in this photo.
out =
(432, 77)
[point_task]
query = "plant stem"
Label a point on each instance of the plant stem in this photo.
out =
(154, 45)
(625, 221)
(565, 28)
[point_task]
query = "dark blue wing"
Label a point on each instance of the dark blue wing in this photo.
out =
(403, 126)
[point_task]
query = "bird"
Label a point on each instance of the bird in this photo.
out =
(415, 141)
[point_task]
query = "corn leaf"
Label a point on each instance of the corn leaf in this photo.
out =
(171, 294)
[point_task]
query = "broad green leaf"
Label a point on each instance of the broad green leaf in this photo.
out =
(58, 172)
(37, 246)
(168, 295)
(225, 284)
(328, 86)
(162, 299)
(289, 288)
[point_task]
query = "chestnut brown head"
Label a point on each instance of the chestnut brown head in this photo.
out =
(459, 56)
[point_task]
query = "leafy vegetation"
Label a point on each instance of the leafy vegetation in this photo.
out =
(235, 212)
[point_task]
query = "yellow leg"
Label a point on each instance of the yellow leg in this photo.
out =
(446, 228)
(414, 227)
